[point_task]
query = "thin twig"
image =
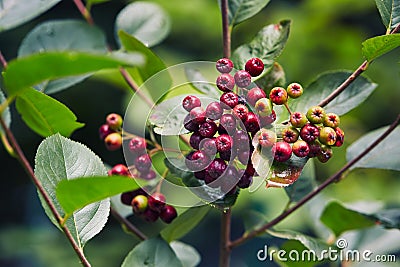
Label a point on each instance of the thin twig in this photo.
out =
(329, 181)
(27, 167)
(225, 250)
(128, 225)
(226, 31)
(3, 61)
(85, 13)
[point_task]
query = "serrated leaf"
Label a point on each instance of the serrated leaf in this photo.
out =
(146, 21)
(385, 10)
(45, 115)
(184, 223)
(187, 254)
(304, 185)
(152, 252)
(79, 192)
(59, 158)
(374, 159)
(62, 35)
(14, 13)
(340, 219)
(6, 113)
(357, 92)
(240, 10)
(266, 45)
(377, 46)
(200, 83)
(23, 73)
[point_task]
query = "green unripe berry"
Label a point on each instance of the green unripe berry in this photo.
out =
(263, 107)
(331, 120)
(315, 114)
(294, 90)
(327, 136)
(139, 204)
(298, 119)
(290, 134)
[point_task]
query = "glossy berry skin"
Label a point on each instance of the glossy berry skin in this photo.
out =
(254, 66)
(309, 133)
(114, 121)
(250, 169)
(137, 146)
(294, 90)
(282, 151)
(143, 163)
(208, 146)
(300, 148)
(263, 107)
(156, 202)
(104, 131)
(225, 82)
(242, 78)
(126, 197)
(315, 149)
(254, 95)
(331, 120)
(224, 143)
(241, 111)
(315, 114)
(120, 169)
(278, 95)
(241, 140)
(208, 129)
(224, 65)
(198, 115)
(298, 119)
(267, 120)
(252, 123)
(190, 124)
(150, 175)
(229, 100)
(267, 138)
(245, 181)
(150, 215)
(168, 214)
(339, 137)
(290, 134)
(195, 140)
(190, 102)
(229, 122)
(214, 111)
(214, 170)
(197, 161)
(327, 136)
(325, 154)
(139, 204)
(113, 141)
(227, 155)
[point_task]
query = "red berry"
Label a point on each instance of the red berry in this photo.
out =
(120, 169)
(241, 112)
(214, 111)
(229, 100)
(214, 170)
(168, 214)
(315, 149)
(198, 115)
(290, 134)
(225, 82)
(254, 66)
(197, 161)
(190, 102)
(327, 136)
(150, 175)
(282, 151)
(267, 120)
(252, 123)
(139, 204)
(339, 137)
(255, 94)
(250, 169)
(143, 163)
(195, 140)
(309, 133)
(224, 65)
(241, 140)
(331, 120)
(190, 124)
(156, 202)
(245, 181)
(137, 146)
(278, 95)
(228, 121)
(114, 121)
(126, 197)
(242, 78)
(298, 119)
(224, 143)
(113, 141)
(229, 179)
(294, 90)
(208, 146)
(150, 215)
(208, 129)
(104, 131)
(300, 148)
(315, 114)
(267, 138)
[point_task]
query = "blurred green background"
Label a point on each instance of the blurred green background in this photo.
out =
(325, 35)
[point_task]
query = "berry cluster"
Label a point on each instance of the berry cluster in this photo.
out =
(149, 207)
(110, 132)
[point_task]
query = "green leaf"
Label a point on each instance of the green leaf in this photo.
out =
(375, 159)
(389, 218)
(152, 252)
(310, 258)
(275, 76)
(79, 192)
(253, 220)
(59, 158)
(377, 46)
(25, 72)
(184, 223)
(62, 35)
(304, 185)
(94, 2)
(45, 115)
(266, 45)
(187, 254)
(240, 10)
(283, 174)
(340, 219)
(15, 13)
(326, 83)
(153, 63)
(201, 84)
(6, 113)
(390, 12)
(146, 21)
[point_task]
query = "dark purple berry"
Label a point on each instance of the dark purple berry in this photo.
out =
(225, 82)
(224, 143)
(228, 121)
(242, 78)
(254, 66)
(252, 123)
(150, 175)
(229, 100)
(250, 169)
(309, 133)
(190, 102)
(224, 65)
(214, 111)
(226, 155)
(197, 161)
(208, 129)
(282, 151)
(245, 181)
(254, 95)
(244, 156)
(168, 214)
(229, 179)
(156, 202)
(208, 146)
(195, 140)
(214, 170)
(143, 163)
(198, 115)
(325, 154)
(241, 140)
(200, 174)
(190, 124)
(150, 215)
(104, 131)
(267, 120)
(315, 149)
(137, 146)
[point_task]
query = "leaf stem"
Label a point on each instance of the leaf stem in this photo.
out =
(330, 180)
(27, 167)
(84, 11)
(128, 225)
(226, 30)
(3, 61)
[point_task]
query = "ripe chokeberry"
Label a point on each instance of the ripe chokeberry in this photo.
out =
(114, 121)
(113, 141)
(244, 156)
(143, 163)
(224, 143)
(298, 119)
(252, 123)
(156, 202)
(315, 114)
(150, 175)
(190, 124)
(254, 95)
(214, 111)
(225, 82)
(241, 140)
(229, 122)
(331, 120)
(198, 115)
(242, 78)
(150, 215)
(139, 204)
(137, 146)
(327, 136)
(309, 133)
(290, 134)
(263, 107)
(278, 95)
(315, 149)
(300, 148)
(229, 100)
(245, 181)
(208, 146)
(241, 111)
(120, 169)
(195, 140)
(214, 170)
(294, 90)
(104, 131)
(197, 161)
(224, 65)
(168, 214)
(254, 66)
(208, 129)
(190, 102)
(339, 137)
(282, 151)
